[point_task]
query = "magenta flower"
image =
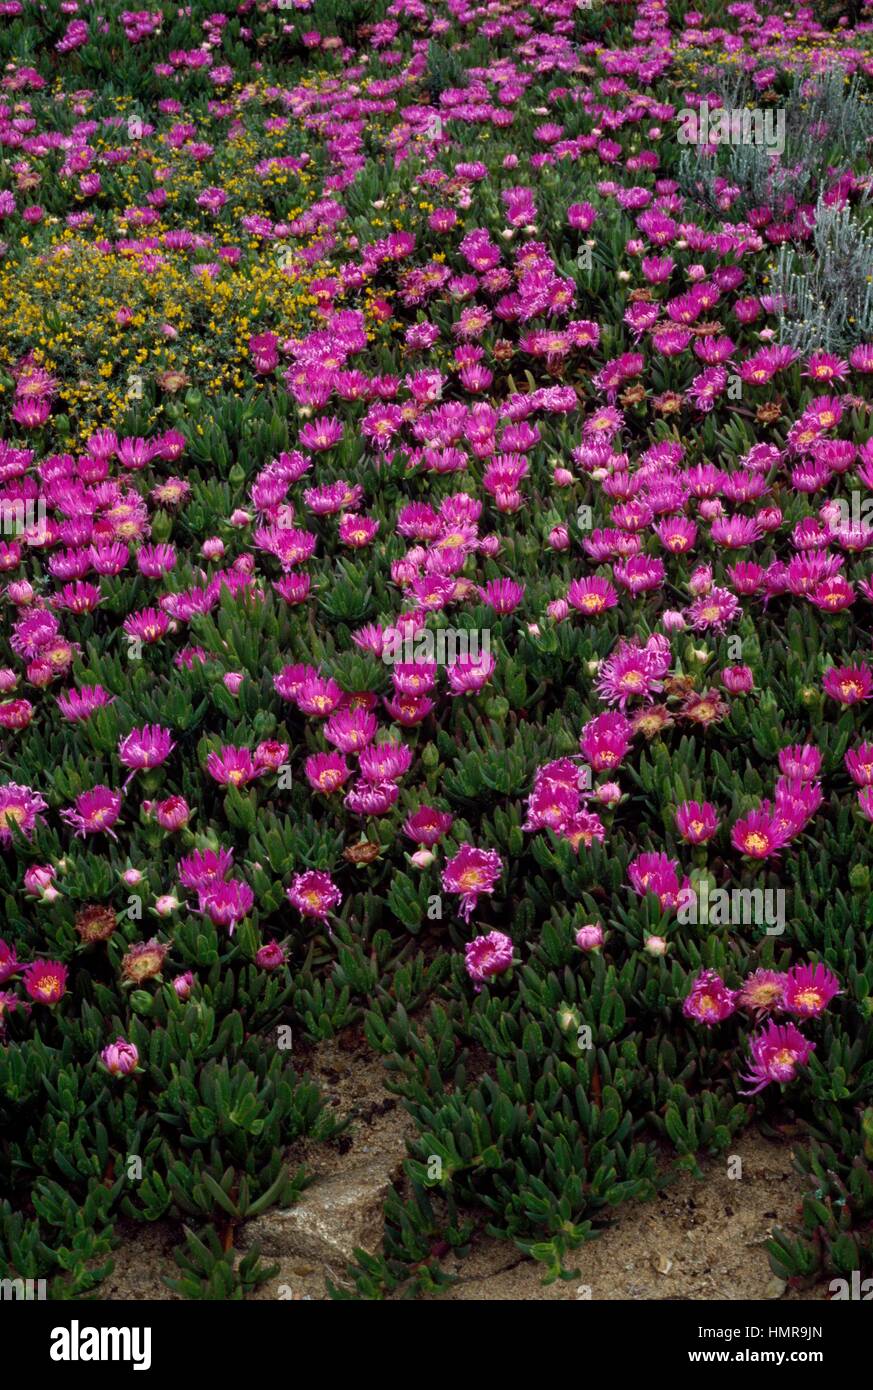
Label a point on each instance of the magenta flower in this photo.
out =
(19, 807)
(76, 705)
(226, 903)
(204, 867)
(371, 798)
(120, 1058)
(270, 956)
(605, 740)
(658, 874)
(46, 981)
(471, 872)
(759, 835)
(737, 680)
(503, 595)
(592, 596)
(9, 963)
(9, 1002)
(631, 672)
(709, 1000)
(327, 772)
(232, 767)
(809, 989)
(427, 826)
(95, 813)
(848, 684)
(350, 730)
(145, 748)
(469, 677)
(776, 1053)
(314, 894)
(487, 956)
(859, 764)
(696, 821)
(148, 626)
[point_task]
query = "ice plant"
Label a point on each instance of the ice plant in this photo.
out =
(709, 1000)
(329, 337)
(471, 872)
(775, 1055)
(19, 808)
(809, 989)
(120, 1058)
(94, 812)
(145, 748)
(487, 956)
(46, 981)
(314, 894)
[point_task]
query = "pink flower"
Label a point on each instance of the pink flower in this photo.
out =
(777, 1052)
(696, 821)
(759, 835)
(95, 813)
(738, 680)
(314, 894)
(590, 937)
(709, 1000)
(809, 989)
(183, 984)
(9, 964)
(427, 826)
(46, 981)
(232, 767)
(19, 807)
(605, 740)
(471, 872)
(270, 956)
(658, 874)
(487, 956)
(172, 814)
(848, 684)
(120, 1058)
(226, 904)
(145, 748)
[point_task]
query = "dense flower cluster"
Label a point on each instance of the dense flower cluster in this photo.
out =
(416, 524)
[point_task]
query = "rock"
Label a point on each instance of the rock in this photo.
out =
(336, 1215)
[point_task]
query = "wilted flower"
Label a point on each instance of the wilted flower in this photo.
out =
(143, 961)
(95, 923)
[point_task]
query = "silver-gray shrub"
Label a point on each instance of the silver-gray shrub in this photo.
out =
(826, 289)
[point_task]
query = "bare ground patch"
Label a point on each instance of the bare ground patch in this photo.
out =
(700, 1239)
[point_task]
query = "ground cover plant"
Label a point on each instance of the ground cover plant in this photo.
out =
(436, 481)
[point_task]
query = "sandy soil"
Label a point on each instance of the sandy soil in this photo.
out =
(699, 1239)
